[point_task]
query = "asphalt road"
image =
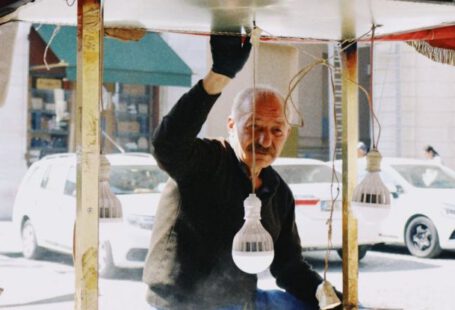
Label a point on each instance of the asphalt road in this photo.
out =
(389, 278)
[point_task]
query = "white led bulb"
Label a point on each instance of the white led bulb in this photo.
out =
(252, 249)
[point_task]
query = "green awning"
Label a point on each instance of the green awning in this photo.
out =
(149, 61)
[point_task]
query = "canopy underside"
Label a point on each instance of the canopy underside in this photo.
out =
(300, 19)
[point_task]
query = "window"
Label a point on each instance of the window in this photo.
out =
(70, 183)
(55, 177)
(45, 178)
(126, 180)
(36, 176)
(136, 179)
(295, 174)
(426, 176)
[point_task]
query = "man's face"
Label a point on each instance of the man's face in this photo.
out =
(270, 131)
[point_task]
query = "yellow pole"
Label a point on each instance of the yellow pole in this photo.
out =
(350, 123)
(89, 49)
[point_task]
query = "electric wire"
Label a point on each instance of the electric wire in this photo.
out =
(54, 34)
(295, 80)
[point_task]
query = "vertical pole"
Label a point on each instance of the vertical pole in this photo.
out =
(350, 123)
(89, 48)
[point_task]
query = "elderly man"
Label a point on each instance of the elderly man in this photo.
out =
(189, 265)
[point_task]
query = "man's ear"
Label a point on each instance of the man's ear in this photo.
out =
(230, 124)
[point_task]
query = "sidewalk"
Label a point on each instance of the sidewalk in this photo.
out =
(9, 239)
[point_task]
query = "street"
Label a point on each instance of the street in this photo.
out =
(389, 278)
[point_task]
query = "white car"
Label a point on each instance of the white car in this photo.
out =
(44, 211)
(312, 183)
(422, 214)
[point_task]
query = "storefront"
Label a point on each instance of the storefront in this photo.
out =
(133, 74)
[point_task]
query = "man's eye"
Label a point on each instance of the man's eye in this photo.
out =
(277, 132)
(250, 127)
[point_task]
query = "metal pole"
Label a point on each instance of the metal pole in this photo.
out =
(89, 49)
(350, 123)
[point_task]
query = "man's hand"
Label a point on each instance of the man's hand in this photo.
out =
(229, 53)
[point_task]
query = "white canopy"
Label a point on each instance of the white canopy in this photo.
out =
(309, 19)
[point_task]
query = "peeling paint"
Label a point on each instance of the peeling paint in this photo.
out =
(89, 273)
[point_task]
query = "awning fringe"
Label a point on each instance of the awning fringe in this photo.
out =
(441, 55)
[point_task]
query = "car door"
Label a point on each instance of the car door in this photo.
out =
(28, 198)
(392, 226)
(51, 202)
(67, 209)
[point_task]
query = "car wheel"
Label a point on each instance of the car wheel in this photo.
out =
(30, 248)
(362, 249)
(106, 267)
(422, 239)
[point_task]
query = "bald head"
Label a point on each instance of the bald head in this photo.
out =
(243, 101)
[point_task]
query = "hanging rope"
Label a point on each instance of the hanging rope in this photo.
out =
(373, 28)
(255, 40)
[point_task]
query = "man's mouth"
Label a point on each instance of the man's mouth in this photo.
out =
(259, 150)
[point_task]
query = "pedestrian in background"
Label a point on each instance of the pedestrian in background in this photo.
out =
(431, 154)
(362, 150)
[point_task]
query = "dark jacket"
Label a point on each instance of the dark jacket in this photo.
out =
(189, 265)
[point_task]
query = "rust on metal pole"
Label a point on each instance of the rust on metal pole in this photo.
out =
(350, 124)
(89, 50)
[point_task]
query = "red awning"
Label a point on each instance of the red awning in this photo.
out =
(437, 44)
(443, 37)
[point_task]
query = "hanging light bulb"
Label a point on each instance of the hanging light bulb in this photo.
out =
(371, 198)
(109, 204)
(252, 249)
(326, 296)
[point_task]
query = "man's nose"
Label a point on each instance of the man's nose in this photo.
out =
(265, 138)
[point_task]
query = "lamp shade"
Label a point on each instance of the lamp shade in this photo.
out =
(371, 198)
(326, 296)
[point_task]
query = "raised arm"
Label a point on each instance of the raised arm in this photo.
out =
(175, 141)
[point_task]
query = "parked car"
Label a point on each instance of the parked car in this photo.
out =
(44, 211)
(312, 183)
(422, 214)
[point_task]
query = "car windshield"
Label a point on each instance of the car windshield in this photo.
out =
(136, 179)
(295, 174)
(423, 176)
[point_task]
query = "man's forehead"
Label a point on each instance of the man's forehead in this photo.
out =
(276, 117)
(268, 101)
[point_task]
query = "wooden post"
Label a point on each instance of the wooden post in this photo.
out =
(89, 50)
(350, 123)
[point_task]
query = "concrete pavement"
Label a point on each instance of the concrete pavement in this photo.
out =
(9, 239)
